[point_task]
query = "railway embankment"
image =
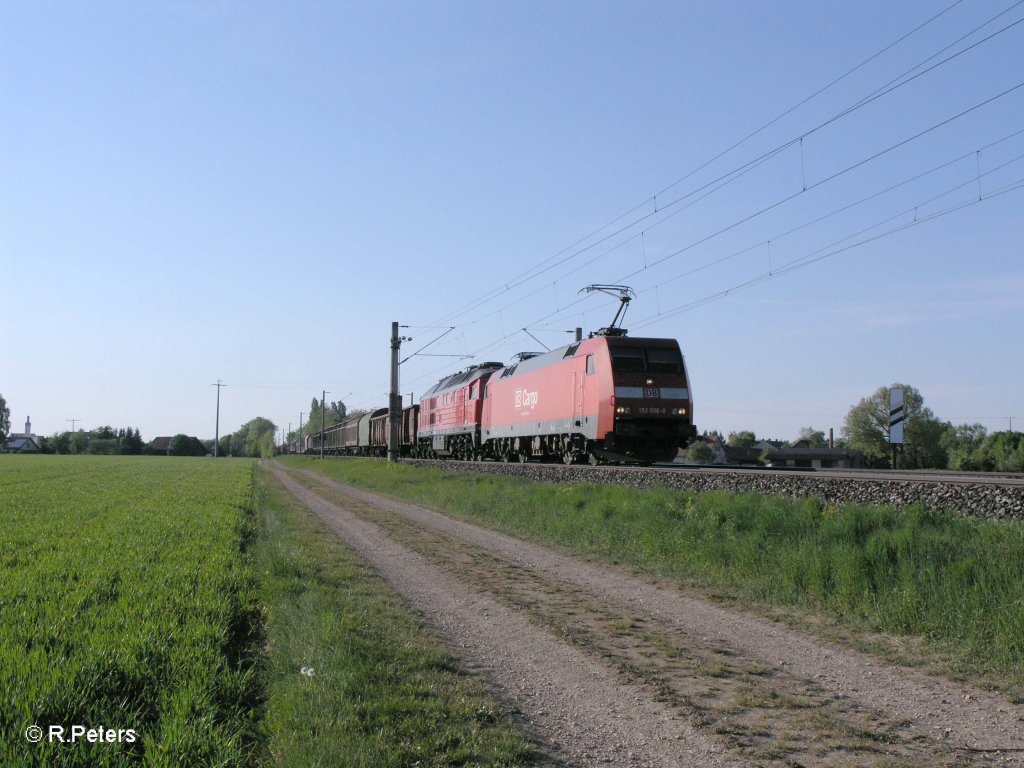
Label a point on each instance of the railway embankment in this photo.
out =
(985, 500)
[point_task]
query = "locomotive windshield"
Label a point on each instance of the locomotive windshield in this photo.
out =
(664, 360)
(628, 360)
(646, 360)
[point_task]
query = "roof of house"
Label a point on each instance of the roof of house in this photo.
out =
(23, 443)
(742, 455)
(816, 453)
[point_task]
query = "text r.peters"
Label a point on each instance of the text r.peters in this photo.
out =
(99, 735)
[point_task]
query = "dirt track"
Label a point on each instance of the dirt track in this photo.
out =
(606, 668)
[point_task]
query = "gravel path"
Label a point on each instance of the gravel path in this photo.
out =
(742, 666)
(573, 703)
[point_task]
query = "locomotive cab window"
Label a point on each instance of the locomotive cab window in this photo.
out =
(590, 365)
(474, 391)
(628, 360)
(664, 360)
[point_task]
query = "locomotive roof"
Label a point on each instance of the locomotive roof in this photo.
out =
(460, 378)
(571, 350)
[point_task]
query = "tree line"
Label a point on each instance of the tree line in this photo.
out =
(929, 442)
(102, 441)
(255, 438)
(333, 413)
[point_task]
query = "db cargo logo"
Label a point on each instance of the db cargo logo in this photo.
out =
(526, 399)
(654, 392)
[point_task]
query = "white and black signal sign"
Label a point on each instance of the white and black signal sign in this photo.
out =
(896, 416)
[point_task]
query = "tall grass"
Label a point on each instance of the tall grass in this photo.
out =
(126, 603)
(957, 582)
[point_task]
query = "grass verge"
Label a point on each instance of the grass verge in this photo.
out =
(957, 583)
(378, 689)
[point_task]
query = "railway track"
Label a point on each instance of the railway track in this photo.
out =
(873, 475)
(998, 497)
(1007, 479)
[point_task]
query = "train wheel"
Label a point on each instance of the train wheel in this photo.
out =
(568, 457)
(593, 459)
(523, 458)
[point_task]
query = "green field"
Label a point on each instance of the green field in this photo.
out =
(179, 599)
(954, 583)
(126, 603)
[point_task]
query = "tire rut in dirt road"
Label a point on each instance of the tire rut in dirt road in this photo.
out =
(575, 705)
(772, 692)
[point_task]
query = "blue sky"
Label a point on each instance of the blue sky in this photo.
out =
(252, 192)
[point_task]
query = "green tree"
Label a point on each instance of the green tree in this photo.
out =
(815, 437)
(102, 446)
(924, 449)
(129, 441)
(181, 445)
(867, 429)
(78, 442)
(699, 453)
(333, 414)
(5, 419)
(249, 439)
(962, 444)
(745, 439)
(59, 442)
(1002, 452)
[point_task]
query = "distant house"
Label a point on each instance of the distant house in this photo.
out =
(817, 458)
(161, 445)
(24, 442)
(743, 456)
(714, 444)
(774, 453)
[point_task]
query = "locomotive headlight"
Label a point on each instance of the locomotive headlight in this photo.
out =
(649, 382)
(623, 410)
(678, 411)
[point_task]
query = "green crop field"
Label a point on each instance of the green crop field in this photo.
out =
(161, 612)
(128, 617)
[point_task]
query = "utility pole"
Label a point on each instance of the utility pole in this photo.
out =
(394, 398)
(75, 421)
(216, 439)
(286, 437)
(300, 450)
(323, 407)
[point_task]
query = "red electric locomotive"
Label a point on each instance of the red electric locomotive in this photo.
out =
(607, 398)
(449, 418)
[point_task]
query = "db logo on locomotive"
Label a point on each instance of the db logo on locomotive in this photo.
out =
(526, 399)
